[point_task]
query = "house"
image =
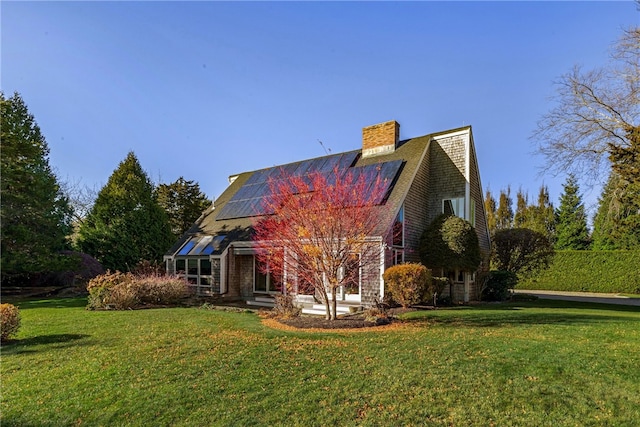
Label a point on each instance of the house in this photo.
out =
(428, 175)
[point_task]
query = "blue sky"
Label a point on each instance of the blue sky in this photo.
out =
(206, 90)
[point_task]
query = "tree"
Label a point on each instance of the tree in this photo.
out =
(520, 251)
(596, 113)
(35, 214)
(543, 218)
(490, 207)
(183, 203)
(320, 232)
(571, 222)
(504, 214)
(523, 215)
(126, 224)
(617, 222)
(449, 243)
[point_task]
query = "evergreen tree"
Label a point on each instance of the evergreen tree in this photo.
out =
(504, 214)
(544, 219)
(183, 202)
(490, 207)
(522, 217)
(571, 223)
(617, 221)
(126, 224)
(35, 214)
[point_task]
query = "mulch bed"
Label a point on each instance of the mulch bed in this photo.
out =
(316, 322)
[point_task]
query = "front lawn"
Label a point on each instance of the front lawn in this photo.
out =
(538, 363)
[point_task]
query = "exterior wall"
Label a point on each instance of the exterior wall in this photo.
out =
(447, 172)
(481, 216)
(240, 275)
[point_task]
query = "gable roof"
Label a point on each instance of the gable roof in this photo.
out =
(233, 213)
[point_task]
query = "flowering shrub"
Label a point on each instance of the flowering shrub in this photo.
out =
(407, 283)
(122, 291)
(9, 321)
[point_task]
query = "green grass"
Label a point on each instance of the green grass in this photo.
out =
(543, 363)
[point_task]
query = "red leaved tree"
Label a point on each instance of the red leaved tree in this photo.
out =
(318, 235)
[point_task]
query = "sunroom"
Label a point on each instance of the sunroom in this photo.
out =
(200, 261)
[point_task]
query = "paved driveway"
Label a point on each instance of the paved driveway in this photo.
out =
(582, 297)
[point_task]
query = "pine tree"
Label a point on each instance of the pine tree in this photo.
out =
(35, 214)
(183, 202)
(126, 224)
(504, 214)
(571, 223)
(544, 219)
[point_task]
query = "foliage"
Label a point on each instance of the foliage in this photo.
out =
(126, 224)
(450, 242)
(504, 213)
(9, 321)
(490, 207)
(520, 251)
(498, 285)
(571, 223)
(595, 113)
(436, 288)
(320, 229)
(183, 203)
(589, 271)
(407, 283)
(193, 367)
(35, 215)
(617, 221)
(86, 268)
(122, 291)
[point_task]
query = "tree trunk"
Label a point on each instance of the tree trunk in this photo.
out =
(325, 297)
(334, 305)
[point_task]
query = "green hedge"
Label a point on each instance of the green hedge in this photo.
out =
(589, 271)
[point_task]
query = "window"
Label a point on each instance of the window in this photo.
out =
(351, 279)
(398, 256)
(265, 282)
(398, 229)
(453, 207)
(203, 274)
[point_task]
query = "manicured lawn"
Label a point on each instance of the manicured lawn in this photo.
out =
(546, 363)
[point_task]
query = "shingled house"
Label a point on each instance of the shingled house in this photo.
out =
(428, 175)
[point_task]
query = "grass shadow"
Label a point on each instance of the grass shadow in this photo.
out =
(524, 313)
(51, 303)
(21, 346)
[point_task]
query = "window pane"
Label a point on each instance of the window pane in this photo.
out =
(205, 267)
(351, 281)
(398, 229)
(192, 267)
(180, 267)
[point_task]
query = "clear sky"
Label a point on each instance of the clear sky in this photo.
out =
(206, 90)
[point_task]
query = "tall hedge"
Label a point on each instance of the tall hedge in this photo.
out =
(589, 271)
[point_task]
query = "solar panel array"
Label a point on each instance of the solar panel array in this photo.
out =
(249, 199)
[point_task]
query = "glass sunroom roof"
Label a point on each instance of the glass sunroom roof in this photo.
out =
(201, 245)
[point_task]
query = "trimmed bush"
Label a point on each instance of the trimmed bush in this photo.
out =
(122, 291)
(407, 283)
(589, 271)
(450, 242)
(9, 321)
(498, 285)
(437, 287)
(521, 251)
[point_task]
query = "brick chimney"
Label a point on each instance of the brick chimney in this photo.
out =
(380, 139)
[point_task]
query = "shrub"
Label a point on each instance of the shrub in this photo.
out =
(86, 268)
(123, 291)
(9, 321)
(498, 285)
(450, 242)
(521, 251)
(435, 288)
(589, 271)
(407, 283)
